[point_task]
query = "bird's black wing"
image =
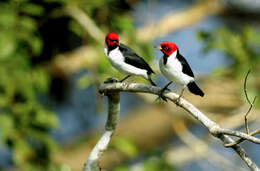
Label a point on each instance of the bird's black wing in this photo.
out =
(133, 59)
(185, 66)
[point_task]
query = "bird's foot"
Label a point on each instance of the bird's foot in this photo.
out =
(177, 101)
(110, 80)
(161, 96)
(151, 81)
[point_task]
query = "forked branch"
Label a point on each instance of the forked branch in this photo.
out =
(246, 115)
(214, 128)
(112, 89)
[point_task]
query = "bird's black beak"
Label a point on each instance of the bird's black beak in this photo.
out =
(158, 47)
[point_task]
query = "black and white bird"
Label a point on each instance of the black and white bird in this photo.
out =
(176, 69)
(125, 59)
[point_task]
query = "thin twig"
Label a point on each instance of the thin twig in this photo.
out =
(251, 103)
(247, 113)
(246, 121)
(213, 127)
(245, 83)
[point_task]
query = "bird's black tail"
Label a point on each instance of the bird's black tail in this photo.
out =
(192, 86)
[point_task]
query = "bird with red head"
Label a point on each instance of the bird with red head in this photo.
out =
(176, 69)
(126, 60)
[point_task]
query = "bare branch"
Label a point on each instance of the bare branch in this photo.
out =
(213, 127)
(246, 122)
(112, 119)
(241, 152)
(239, 134)
(242, 139)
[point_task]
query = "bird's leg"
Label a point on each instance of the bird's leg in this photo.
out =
(151, 81)
(125, 78)
(178, 99)
(162, 91)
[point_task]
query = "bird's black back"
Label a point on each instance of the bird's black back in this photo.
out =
(185, 66)
(133, 59)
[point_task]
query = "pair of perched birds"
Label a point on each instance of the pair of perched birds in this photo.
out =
(172, 64)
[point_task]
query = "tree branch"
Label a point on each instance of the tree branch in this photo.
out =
(242, 139)
(248, 111)
(112, 119)
(213, 127)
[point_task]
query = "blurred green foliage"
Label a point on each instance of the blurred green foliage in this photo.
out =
(126, 146)
(24, 122)
(26, 43)
(242, 48)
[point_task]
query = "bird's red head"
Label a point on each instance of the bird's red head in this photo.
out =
(168, 48)
(112, 40)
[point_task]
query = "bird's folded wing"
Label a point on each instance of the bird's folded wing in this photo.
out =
(133, 59)
(185, 66)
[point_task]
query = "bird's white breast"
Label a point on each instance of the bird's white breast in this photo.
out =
(117, 60)
(172, 70)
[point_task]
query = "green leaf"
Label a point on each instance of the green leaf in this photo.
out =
(122, 168)
(32, 9)
(48, 120)
(27, 24)
(7, 45)
(155, 163)
(7, 17)
(84, 81)
(126, 146)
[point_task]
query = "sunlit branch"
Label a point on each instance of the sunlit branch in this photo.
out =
(213, 127)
